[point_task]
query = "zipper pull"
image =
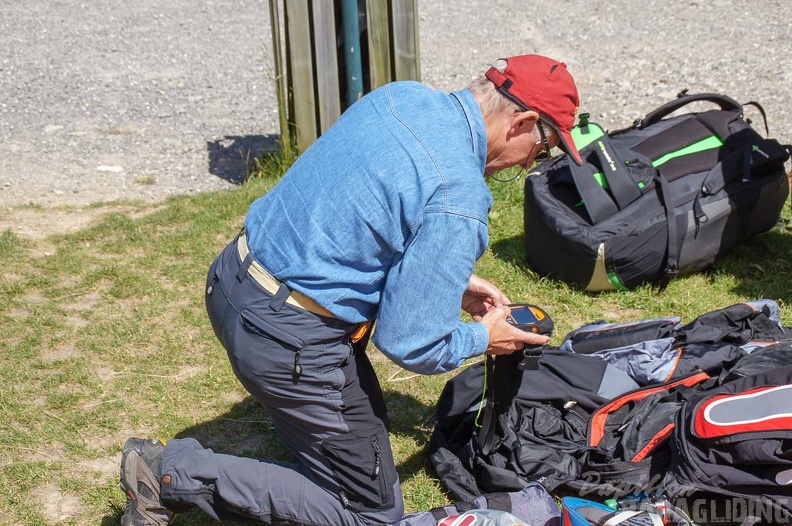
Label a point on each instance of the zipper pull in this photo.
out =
(297, 366)
(377, 459)
(210, 288)
(344, 499)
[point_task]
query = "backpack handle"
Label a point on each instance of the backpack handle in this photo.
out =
(683, 99)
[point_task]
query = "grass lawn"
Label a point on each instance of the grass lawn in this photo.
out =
(103, 335)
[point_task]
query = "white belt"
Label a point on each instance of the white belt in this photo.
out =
(272, 285)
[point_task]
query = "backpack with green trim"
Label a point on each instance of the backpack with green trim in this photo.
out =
(664, 197)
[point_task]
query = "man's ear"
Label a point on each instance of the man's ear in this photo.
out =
(524, 122)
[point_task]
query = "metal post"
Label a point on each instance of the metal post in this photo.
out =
(354, 70)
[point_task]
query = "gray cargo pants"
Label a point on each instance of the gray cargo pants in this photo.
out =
(324, 400)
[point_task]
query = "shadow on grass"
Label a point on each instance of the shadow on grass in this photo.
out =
(510, 250)
(232, 157)
(246, 430)
(761, 267)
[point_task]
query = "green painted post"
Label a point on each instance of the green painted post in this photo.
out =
(354, 69)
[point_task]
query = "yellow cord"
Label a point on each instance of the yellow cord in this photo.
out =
(483, 395)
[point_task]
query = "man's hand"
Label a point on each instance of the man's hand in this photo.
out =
(481, 296)
(505, 338)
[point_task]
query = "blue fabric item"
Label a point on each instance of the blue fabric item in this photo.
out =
(532, 505)
(771, 307)
(582, 512)
(384, 217)
(616, 382)
(647, 362)
(535, 506)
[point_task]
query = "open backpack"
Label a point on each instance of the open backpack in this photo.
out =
(655, 409)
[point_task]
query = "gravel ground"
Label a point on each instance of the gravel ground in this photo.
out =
(103, 100)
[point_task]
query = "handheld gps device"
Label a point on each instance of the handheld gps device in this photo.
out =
(530, 318)
(533, 319)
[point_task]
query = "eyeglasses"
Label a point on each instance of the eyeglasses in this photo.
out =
(545, 154)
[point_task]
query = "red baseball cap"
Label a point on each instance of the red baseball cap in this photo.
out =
(545, 86)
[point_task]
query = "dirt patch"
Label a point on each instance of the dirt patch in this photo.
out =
(85, 302)
(50, 453)
(106, 374)
(40, 223)
(186, 372)
(18, 313)
(76, 322)
(234, 397)
(34, 297)
(622, 314)
(63, 352)
(105, 467)
(12, 278)
(56, 505)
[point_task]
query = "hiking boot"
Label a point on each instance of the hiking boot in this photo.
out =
(141, 468)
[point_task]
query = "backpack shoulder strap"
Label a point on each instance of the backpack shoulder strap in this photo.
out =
(502, 383)
(598, 203)
(624, 189)
(598, 151)
(762, 112)
(672, 254)
(683, 99)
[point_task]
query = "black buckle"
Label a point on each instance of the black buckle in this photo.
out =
(530, 358)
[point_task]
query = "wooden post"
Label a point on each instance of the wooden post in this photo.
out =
(301, 75)
(377, 17)
(327, 79)
(310, 100)
(405, 40)
(280, 79)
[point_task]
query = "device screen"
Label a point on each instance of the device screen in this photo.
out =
(525, 315)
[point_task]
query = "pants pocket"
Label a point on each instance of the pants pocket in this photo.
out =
(258, 325)
(362, 464)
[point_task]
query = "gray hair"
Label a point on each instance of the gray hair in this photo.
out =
(488, 96)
